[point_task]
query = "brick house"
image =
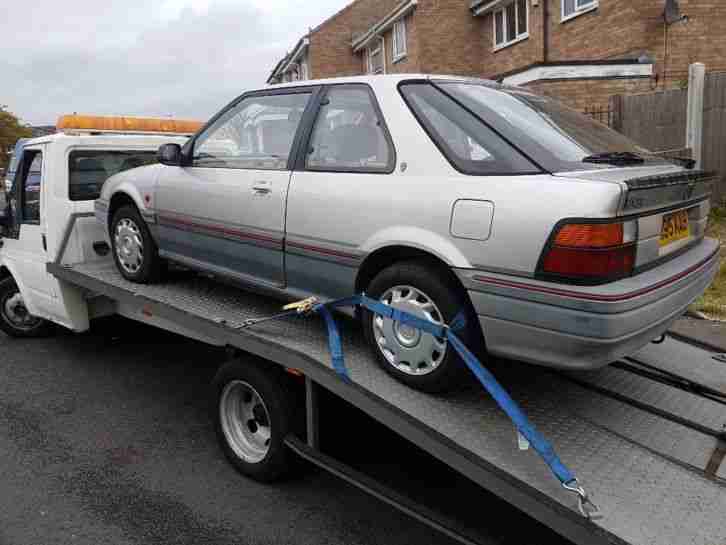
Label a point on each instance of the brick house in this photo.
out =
(582, 51)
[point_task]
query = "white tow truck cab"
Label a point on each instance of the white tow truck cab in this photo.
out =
(58, 176)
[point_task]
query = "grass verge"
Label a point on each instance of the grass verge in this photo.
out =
(713, 302)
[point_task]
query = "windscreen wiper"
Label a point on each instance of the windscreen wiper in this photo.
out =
(615, 158)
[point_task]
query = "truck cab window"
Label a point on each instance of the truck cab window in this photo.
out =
(88, 170)
(30, 186)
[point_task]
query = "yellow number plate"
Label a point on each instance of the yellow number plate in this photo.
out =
(675, 227)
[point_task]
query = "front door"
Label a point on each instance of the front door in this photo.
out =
(24, 250)
(225, 211)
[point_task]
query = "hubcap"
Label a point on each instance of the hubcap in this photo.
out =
(245, 421)
(16, 313)
(406, 348)
(129, 245)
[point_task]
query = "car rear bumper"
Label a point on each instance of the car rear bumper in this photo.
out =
(586, 327)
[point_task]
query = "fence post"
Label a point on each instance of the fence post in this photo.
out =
(616, 105)
(694, 120)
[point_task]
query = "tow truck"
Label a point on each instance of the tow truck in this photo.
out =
(646, 434)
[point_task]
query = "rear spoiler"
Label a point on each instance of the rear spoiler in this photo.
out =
(664, 190)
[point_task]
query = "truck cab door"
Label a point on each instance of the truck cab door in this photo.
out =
(24, 249)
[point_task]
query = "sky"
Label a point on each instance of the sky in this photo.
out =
(179, 58)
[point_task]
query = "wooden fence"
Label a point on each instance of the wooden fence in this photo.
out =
(657, 121)
(714, 129)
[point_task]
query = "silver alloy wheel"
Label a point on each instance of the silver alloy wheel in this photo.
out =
(16, 313)
(129, 245)
(404, 347)
(245, 421)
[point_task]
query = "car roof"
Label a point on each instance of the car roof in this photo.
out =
(375, 80)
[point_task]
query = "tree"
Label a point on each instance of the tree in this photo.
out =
(10, 131)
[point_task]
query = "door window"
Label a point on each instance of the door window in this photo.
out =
(30, 186)
(257, 133)
(349, 134)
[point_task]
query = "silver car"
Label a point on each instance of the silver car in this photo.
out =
(565, 244)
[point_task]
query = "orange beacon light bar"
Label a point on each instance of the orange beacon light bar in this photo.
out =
(125, 125)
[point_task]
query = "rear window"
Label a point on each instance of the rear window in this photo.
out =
(557, 137)
(468, 143)
(88, 170)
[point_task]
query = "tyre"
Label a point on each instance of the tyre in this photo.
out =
(409, 355)
(134, 250)
(253, 413)
(15, 320)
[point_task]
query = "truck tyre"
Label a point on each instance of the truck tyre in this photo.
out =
(253, 413)
(15, 320)
(409, 355)
(134, 250)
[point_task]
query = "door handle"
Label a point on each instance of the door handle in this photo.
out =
(261, 188)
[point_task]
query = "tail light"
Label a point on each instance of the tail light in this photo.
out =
(590, 252)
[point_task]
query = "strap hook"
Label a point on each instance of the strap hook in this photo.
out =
(587, 508)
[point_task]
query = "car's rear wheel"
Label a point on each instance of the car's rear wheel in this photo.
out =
(134, 250)
(253, 410)
(412, 356)
(15, 320)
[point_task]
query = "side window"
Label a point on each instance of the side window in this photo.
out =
(349, 134)
(257, 133)
(466, 141)
(30, 186)
(88, 170)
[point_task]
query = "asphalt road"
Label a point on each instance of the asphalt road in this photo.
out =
(106, 437)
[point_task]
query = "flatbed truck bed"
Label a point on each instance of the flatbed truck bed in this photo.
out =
(648, 447)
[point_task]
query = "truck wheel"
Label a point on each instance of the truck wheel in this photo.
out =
(134, 250)
(416, 358)
(253, 413)
(15, 320)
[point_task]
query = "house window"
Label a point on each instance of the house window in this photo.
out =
(376, 61)
(573, 8)
(511, 23)
(399, 40)
(304, 71)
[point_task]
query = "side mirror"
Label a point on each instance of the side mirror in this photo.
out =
(170, 155)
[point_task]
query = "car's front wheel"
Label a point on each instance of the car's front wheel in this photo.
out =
(416, 358)
(134, 250)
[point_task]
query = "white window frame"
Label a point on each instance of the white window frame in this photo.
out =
(304, 70)
(518, 37)
(399, 51)
(371, 51)
(579, 10)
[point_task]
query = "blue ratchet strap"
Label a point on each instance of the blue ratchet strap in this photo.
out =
(334, 344)
(488, 381)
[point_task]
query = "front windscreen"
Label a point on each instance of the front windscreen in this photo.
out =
(555, 136)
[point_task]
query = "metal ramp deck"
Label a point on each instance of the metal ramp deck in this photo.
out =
(652, 467)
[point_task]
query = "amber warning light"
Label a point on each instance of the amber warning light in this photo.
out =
(94, 124)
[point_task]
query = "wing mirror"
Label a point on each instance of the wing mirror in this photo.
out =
(170, 155)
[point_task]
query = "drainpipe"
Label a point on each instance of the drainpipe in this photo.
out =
(545, 31)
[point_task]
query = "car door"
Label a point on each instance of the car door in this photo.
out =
(25, 247)
(224, 211)
(341, 192)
